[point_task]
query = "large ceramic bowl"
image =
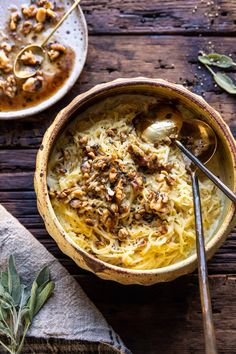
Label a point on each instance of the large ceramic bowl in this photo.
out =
(226, 169)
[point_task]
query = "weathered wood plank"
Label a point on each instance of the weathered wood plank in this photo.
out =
(166, 318)
(167, 57)
(17, 160)
(163, 16)
(16, 181)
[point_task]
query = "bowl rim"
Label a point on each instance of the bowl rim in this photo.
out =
(62, 118)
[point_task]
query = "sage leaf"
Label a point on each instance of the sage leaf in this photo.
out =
(225, 82)
(18, 305)
(14, 285)
(43, 276)
(3, 314)
(2, 290)
(4, 280)
(32, 300)
(43, 296)
(215, 59)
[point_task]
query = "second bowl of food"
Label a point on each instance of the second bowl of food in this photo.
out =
(118, 206)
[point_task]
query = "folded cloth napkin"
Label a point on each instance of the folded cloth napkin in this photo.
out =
(69, 322)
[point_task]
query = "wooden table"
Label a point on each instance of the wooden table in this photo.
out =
(159, 39)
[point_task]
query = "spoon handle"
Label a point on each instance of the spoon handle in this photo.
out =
(60, 22)
(209, 331)
(209, 174)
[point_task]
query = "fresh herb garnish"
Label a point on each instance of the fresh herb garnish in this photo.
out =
(215, 59)
(18, 305)
(221, 61)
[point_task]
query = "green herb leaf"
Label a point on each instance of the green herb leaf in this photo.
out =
(4, 280)
(225, 82)
(43, 296)
(43, 276)
(19, 305)
(14, 285)
(215, 59)
(32, 299)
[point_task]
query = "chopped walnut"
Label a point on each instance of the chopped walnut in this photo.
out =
(149, 161)
(85, 167)
(29, 11)
(161, 177)
(28, 58)
(6, 47)
(123, 234)
(107, 219)
(137, 182)
(5, 62)
(38, 27)
(119, 191)
(9, 86)
(83, 140)
(75, 203)
(14, 19)
(158, 201)
(78, 193)
(51, 14)
(111, 132)
(26, 27)
(41, 15)
(45, 3)
(33, 84)
(113, 175)
(90, 222)
(55, 51)
(102, 163)
(114, 208)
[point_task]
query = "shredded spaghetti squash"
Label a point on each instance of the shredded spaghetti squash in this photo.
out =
(120, 199)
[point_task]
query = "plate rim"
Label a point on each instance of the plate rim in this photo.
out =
(44, 105)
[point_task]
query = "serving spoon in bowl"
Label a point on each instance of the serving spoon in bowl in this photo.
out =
(203, 143)
(22, 71)
(198, 135)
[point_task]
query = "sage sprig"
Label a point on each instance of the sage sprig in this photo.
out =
(215, 59)
(221, 61)
(19, 305)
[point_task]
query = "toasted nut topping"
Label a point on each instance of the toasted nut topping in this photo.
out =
(123, 234)
(4, 60)
(26, 27)
(51, 13)
(41, 15)
(29, 11)
(9, 87)
(6, 47)
(28, 58)
(38, 27)
(14, 19)
(33, 84)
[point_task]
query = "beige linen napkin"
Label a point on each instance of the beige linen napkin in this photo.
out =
(69, 322)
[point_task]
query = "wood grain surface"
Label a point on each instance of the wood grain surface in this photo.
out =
(159, 39)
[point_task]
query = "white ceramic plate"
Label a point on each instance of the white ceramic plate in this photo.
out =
(74, 33)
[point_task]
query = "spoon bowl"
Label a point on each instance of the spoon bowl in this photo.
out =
(22, 71)
(169, 125)
(199, 138)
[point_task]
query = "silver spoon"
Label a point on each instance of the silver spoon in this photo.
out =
(22, 71)
(205, 148)
(162, 128)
